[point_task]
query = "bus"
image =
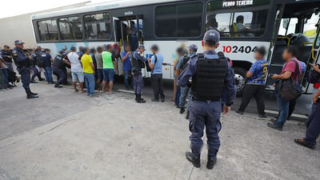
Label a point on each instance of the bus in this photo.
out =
(244, 25)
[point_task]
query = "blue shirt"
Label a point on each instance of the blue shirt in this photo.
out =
(259, 70)
(127, 62)
(46, 59)
(304, 67)
(157, 69)
(190, 70)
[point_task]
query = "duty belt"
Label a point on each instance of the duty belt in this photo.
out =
(206, 101)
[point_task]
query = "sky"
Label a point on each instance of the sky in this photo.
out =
(22, 6)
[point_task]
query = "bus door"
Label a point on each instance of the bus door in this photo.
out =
(275, 49)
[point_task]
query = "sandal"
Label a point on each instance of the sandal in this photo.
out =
(302, 142)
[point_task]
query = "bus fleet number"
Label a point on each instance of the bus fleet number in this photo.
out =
(236, 49)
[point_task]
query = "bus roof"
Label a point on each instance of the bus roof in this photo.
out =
(99, 7)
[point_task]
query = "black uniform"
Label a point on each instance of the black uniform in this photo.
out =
(58, 67)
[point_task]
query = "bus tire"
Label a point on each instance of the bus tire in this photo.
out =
(240, 79)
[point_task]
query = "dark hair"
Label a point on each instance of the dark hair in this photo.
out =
(240, 19)
(261, 50)
(84, 49)
(155, 47)
(293, 50)
(92, 50)
(180, 50)
(99, 48)
(73, 49)
(210, 43)
(46, 49)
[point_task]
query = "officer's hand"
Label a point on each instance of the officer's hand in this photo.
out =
(226, 109)
(30, 57)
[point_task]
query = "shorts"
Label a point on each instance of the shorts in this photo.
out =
(108, 74)
(100, 74)
(76, 76)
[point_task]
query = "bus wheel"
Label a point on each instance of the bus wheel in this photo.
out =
(240, 78)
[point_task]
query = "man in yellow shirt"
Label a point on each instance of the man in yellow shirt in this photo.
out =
(88, 70)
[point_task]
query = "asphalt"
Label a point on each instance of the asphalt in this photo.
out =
(67, 135)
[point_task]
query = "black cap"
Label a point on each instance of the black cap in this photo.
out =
(212, 35)
(18, 42)
(155, 47)
(141, 46)
(6, 46)
(193, 47)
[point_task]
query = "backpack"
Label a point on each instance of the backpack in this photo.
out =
(40, 61)
(314, 76)
(185, 61)
(290, 89)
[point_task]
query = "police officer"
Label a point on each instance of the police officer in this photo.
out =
(138, 62)
(22, 60)
(35, 66)
(58, 67)
(7, 56)
(210, 74)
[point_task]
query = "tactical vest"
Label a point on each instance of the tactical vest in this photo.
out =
(136, 64)
(24, 63)
(57, 62)
(208, 81)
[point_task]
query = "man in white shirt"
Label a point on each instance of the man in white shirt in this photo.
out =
(76, 69)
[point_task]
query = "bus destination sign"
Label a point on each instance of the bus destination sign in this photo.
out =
(237, 3)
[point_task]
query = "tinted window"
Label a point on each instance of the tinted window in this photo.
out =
(181, 20)
(48, 30)
(237, 21)
(97, 26)
(70, 28)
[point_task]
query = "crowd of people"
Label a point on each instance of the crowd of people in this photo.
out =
(204, 85)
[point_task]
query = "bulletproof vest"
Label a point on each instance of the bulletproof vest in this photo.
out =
(208, 80)
(185, 61)
(23, 63)
(58, 61)
(136, 63)
(6, 53)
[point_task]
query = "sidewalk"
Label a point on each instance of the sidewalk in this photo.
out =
(112, 137)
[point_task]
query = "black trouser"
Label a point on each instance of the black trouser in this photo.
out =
(156, 80)
(60, 75)
(292, 105)
(258, 92)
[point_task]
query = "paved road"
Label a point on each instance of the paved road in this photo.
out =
(67, 135)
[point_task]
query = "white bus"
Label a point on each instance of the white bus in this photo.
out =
(274, 24)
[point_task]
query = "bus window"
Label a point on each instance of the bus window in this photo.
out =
(48, 30)
(70, 28)
(97, 26)
(238, 21)
(179, 20)
(288, 26)
(310, 27)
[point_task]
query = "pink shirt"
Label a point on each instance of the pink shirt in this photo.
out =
(291, 67)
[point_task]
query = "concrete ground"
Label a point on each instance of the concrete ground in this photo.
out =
(65, 135)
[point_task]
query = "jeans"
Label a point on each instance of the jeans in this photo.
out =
(156, 81)
(183, 96)
(35, 73)
(178, 93)
(283, 106)
(256, 91)
(90, 83)
(2, 83)
(6, 76)
(48, 73)
(126, 79)
(10, 66)
(313, 130)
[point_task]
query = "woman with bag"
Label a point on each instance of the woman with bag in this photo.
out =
(287, 86)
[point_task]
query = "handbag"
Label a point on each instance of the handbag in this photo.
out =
(290, 89)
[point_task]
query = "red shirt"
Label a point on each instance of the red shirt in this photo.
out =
(291, 67)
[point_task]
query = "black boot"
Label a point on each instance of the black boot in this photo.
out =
(36, 94)
(187, 116)
(194, 160)
(182, 110)
(139, 99)
(136, 99)
(31, 96)
(57, 86)
(162, 98)
(211, 162)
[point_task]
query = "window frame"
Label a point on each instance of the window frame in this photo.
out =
(82, 24)
(243, 9)
(95, 13)
(176, 37)
(38, 30)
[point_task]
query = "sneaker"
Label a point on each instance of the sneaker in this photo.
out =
(275, 126)
(31, 96)
(194, 160)
(239, 112)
